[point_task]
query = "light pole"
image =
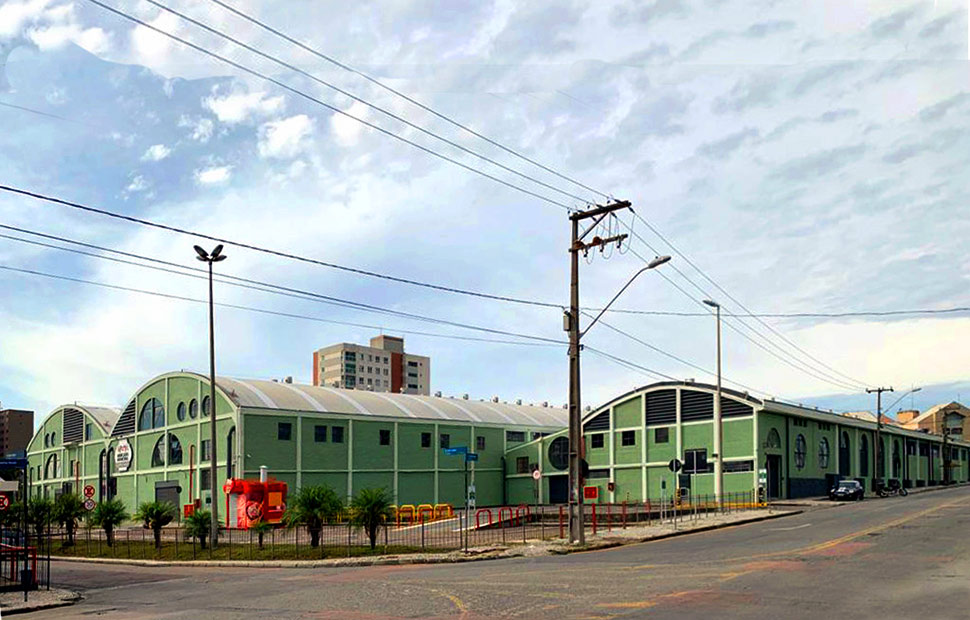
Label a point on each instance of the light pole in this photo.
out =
(210, 258)
(718, 449)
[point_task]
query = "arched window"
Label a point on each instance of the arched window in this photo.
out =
(823, 453)
(152, 415)
(53, 439)
(896, 459)
(47, 440)
(559, 453)
(193, 409)
(864, 456)
(158, 454)
(230, 451)
(174, 450)
(844, 455)
(205, 407)
(800, 450)
(180, 412)
(50, 469)
(773, 440)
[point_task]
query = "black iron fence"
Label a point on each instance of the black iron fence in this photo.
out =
(24, 560)
(484, 527)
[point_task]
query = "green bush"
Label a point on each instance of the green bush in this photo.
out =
(155, 516)
(108, 515)
(369, 509)
(198, 525)
(312, 507)
(68, 510)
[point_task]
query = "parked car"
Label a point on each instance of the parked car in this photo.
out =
(847, 490)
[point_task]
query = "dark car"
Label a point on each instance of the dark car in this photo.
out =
(847, 490)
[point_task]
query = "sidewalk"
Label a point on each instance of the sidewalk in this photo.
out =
(13, 602)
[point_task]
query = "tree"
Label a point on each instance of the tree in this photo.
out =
(68, 510)
(198, 525)
(108, 515)
(313, 506)
(155, 516)
(369, 510)
(260, 527)
(39, 512)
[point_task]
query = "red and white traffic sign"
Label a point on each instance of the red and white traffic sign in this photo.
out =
(89, 490)
(4, 502)
(89, 504)
(536, 474)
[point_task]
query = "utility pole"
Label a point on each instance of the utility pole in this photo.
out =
(577, 533)
(718, 430)
(877, 453)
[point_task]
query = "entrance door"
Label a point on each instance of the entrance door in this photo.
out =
(774, 476)
(168, 491)
(558, 489)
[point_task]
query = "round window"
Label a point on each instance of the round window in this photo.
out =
(559, 453)
(193, 409)
(205, 407)
(180, 412)
(800, 450)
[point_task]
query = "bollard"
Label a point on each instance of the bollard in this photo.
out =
(561, 523)
(594, 519)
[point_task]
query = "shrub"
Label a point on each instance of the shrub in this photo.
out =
(108, 515)
(369, 510)
(312, 507)
(198, 525)
(155, 516)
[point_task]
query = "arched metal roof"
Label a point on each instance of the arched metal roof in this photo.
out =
(264, 394)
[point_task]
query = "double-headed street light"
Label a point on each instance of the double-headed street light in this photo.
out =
(214, 257)
(718, 447)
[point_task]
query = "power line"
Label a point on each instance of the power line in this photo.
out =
(281, 290)
(278, 313)
(629, 364)
(373, 106)
(800, 315)
(407, 98)
(330, 107)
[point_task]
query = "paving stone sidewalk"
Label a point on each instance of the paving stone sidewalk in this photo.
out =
(13, 602)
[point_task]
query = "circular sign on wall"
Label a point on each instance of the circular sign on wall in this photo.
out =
(89, 490)
(536, 474)
(123, 454)
(4, 502)
(89, 504)
(559, 453)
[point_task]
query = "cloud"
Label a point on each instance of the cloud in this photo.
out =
(820, 75)
(286, 138)
(240, 107)
(821, 163)
(202, 128)
(14, 16)
(938, 110)
(754, 91)
(156, 152)
(138, 184)
(891, 25)
(721, 149)
(647, 12)
(213, 175)
(94, 40)
(763, 29)
(938, 25)
(346, 130)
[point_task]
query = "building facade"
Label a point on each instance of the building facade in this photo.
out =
(16, 430)
(952, 416)
(801, 452)
(383, 366)
(158, 446)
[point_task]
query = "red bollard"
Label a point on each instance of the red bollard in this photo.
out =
(624, 514)
(594, 519)
(562, 523)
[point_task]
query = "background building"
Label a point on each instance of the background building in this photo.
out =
(952, 414)
(381, 367)
(16, 429)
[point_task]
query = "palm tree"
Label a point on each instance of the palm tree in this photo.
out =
(313, 506)
(68, 510)
(369, 510)
(155, 516)
(108, 515)
(198, 525)
(260, 527)
(39, 512)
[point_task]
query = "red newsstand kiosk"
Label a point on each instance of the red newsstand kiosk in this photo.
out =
(248, 501)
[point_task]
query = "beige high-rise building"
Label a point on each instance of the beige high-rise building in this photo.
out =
(381, 367)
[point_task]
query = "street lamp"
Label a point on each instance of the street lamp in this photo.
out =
(718, 448)
(215, 257)
(577, 531)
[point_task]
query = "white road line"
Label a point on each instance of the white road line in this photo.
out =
(786, 529)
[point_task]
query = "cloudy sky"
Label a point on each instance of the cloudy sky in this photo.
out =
(808, 157)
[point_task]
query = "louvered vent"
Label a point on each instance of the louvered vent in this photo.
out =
(72, 429)
(661, 407)
(126, 423)
(599, 423)
(696, 406)
(734, 409)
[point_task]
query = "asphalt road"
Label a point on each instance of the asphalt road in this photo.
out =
(892, 558)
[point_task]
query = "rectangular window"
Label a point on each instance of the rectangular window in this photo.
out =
(480, 443)
(413, 364)
(385, 437)
(598, 473)
(536, 435)
(661, 435)
(628, 438)
(511, 436)
(695, 462)
(522, 465)
(320, 434)
(88, 432)
(204, 480)
(596, 441)
(412, 386)
(445, 441)
(425, 440)
(204, 450)
(738, 466)
(283, 431)
(337, 434)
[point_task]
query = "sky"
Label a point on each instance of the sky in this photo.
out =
(799, 157)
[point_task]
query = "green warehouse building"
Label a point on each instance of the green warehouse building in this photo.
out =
(158, 446)
(630, 440)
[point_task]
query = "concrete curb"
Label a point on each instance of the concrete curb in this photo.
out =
(475, 555)
(29, 608)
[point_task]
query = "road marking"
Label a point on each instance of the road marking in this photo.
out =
(788, 529)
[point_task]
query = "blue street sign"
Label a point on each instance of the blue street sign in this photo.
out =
(13, 463)
(456, 451)
(471, 456)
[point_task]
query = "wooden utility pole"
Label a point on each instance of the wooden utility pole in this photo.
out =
(877, 453)
(577, 532)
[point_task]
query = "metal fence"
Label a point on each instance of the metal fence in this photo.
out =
(24, 561)
(485, 527)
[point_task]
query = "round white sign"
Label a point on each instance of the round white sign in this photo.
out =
(123, 454)
(536, 474)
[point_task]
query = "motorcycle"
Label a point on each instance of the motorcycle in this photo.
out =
(892, 488)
